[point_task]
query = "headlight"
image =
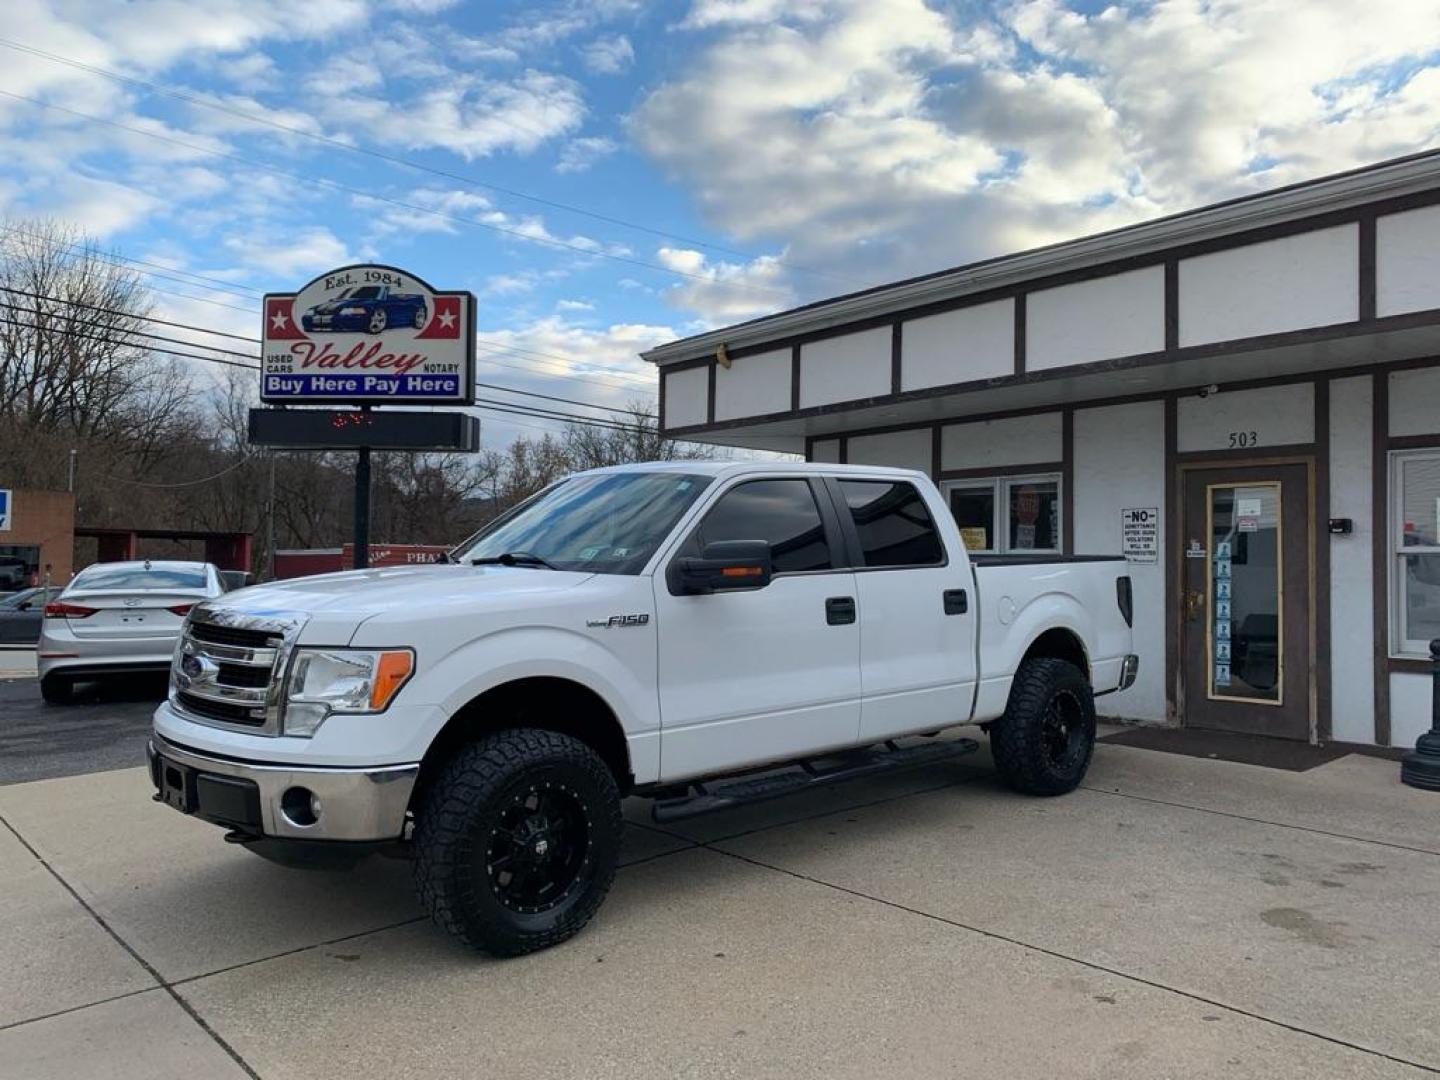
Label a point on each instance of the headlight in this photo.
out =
(352, 311)
(325, 681)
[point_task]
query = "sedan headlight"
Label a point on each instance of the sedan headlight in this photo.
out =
(325, 681)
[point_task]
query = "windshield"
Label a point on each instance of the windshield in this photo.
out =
(369, 292)
(135, 577)
(609, 523)
(13, 601)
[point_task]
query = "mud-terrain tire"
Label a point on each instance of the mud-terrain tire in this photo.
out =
(57, 689)
(1044, 742)
(517, 840)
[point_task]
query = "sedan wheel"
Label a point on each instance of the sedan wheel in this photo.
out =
(377, 321)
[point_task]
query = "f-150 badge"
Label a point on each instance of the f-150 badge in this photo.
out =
(619, 620)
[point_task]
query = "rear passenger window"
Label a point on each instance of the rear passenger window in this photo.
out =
(780, 512)
(894, 524)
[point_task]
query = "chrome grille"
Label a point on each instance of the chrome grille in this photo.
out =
(229, 666)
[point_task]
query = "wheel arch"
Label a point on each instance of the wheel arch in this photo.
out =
(1060, 643)
(546, 702)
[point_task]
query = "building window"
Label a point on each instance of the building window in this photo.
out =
(1007, 515)
(1415, 569)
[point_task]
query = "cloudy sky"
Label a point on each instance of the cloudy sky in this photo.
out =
(609, 174)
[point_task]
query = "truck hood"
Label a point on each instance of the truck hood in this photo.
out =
(336, 604)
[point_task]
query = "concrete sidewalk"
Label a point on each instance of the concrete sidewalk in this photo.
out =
(1178, 917)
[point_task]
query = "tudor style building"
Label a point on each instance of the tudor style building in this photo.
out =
(1244, 398)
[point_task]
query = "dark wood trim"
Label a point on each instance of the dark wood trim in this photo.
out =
(895, 356)
(660, 408)
(1020, 335)
(842, 453)
(809, 447)
(1366, 309)
(985, 472)
(1174, 552)
(1409, 665)
(1172, 305)
(1067, 481)
(1322, 660)
(1257, 453)
(794, 378)
(710, 393)
(1309, 336)
(1412, 442)
(1380, 560)
(1240, 239)
(935, 452)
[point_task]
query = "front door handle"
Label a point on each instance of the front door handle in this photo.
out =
(840, 610)
(1194, 602)
(956, 602)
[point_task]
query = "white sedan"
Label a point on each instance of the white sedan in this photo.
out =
(119, 618)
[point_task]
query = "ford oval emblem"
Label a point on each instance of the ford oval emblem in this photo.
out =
(192, 666)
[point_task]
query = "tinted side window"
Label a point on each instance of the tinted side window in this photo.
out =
(894, 524)
(782, 513)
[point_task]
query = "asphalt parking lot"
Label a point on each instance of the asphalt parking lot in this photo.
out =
(1177, 917)
(104, 729)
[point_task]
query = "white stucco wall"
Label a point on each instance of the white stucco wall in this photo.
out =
(845, 368)
(825, 450)
(1410, 705)
(753, 385)
(1119, 464)
(1311, 279)
(956, 346)
(1019, 440)
(687, 396)
(1119, 315)
(1273, 415)
(902, 449)
(1407, 261)
(1352, 616)
(1415, 401)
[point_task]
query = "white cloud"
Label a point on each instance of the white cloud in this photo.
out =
(574, 305)
(720, 292)
(880, 138)
(608, 55)
(577, 155)
(290, 255)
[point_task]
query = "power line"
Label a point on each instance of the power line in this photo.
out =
(183, 483)
(121, 330)
(128, 314)
(325, 182)
(395, 159)
(139, 345)
(158, 270)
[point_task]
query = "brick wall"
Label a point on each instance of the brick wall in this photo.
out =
(45, 519)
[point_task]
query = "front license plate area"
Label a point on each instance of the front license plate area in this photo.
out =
(177, 786)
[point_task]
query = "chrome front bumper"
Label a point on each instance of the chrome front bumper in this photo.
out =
(353, 804)
(1129, 668)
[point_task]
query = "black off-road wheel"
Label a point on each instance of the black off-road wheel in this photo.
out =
(517, 840)
(1044, 742)
(57, 689)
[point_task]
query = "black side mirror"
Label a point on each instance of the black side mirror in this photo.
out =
(725, 566)
(24, 605)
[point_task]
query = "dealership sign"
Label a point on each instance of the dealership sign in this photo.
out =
(371, 334)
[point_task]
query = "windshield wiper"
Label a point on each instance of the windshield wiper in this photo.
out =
(513, 558)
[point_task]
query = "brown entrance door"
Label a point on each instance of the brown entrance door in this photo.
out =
(1246, 605)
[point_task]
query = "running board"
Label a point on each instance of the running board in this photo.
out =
(805, 776)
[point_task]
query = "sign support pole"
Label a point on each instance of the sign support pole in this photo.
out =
(362, 509)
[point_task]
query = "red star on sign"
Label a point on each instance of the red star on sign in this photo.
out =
(280, 319)
(445, 322)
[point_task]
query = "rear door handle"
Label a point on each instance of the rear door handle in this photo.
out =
(956, 602)
(840, 610)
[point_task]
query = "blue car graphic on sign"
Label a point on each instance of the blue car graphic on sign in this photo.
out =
(368, 309)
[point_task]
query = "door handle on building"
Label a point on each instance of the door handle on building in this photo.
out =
(1194, 601)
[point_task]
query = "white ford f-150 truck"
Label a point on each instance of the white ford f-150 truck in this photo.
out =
(703, 634)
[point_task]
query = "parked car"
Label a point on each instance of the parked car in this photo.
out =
(21, 613)
(14, 572)
(118, 618)
(644, 630)
(367, 309)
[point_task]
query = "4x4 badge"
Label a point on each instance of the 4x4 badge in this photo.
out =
(620, 620)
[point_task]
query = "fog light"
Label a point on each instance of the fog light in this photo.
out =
(300, 807)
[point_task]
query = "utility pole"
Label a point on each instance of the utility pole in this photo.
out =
(270, 518)
(70, 482)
